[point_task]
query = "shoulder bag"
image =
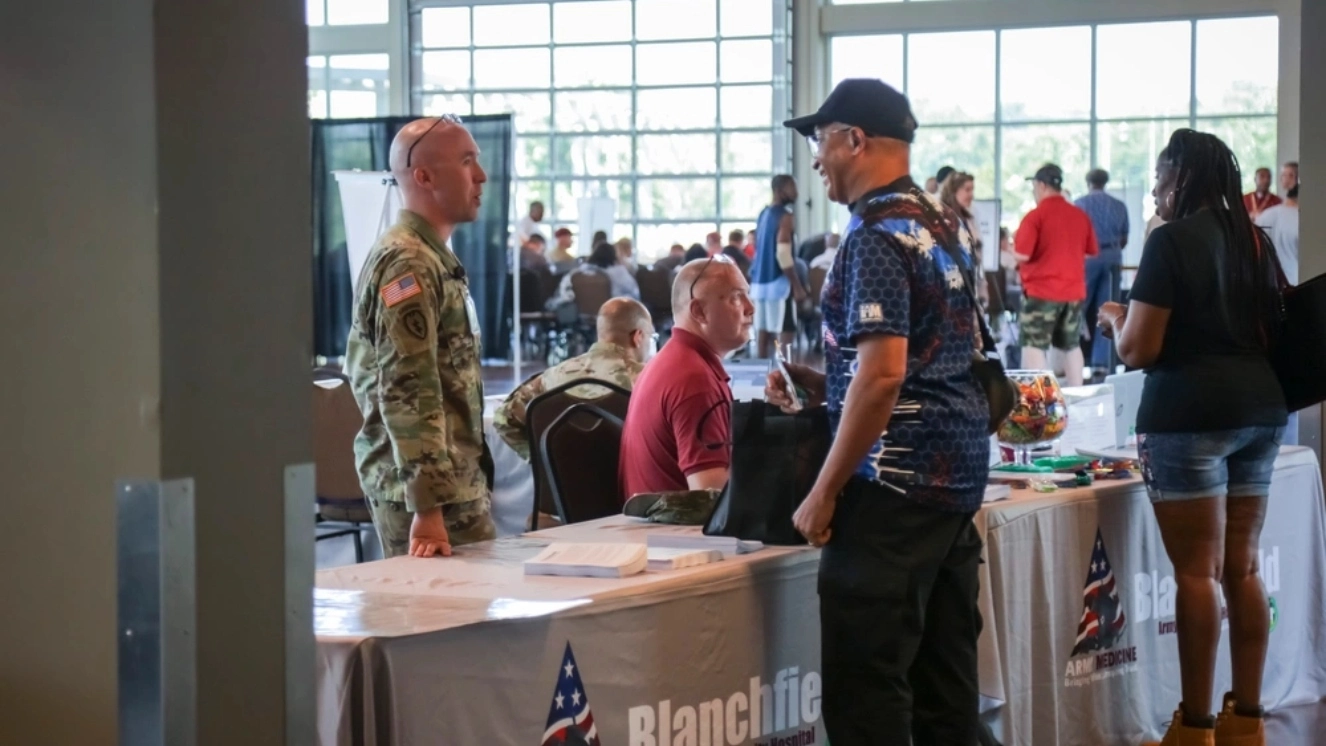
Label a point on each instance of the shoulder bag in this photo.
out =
(1299, 355)
(986, 367)
(776, 458)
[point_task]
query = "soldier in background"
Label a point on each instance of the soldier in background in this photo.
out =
(625, 336)
(413, 355)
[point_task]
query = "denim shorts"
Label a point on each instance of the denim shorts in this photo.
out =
(1220, 463)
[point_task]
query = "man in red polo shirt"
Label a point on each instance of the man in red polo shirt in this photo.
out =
(678, 430)
(1260, 200)
(1051, 247)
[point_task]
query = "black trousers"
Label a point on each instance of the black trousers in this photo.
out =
(899, 622)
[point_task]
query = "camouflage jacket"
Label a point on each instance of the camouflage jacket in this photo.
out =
(604, 361)
(413, 361)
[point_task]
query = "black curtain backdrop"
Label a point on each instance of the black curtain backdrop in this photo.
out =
(348, 144)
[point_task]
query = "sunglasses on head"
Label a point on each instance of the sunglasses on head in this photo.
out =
(720, 258)
(448, 118)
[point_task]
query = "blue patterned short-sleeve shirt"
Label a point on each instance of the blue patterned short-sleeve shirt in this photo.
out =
(892, 277)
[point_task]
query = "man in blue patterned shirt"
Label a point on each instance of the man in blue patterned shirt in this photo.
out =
(894, 501)
(1109, 217)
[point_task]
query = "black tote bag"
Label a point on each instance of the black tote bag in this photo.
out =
(1299, 357)
(776, 458)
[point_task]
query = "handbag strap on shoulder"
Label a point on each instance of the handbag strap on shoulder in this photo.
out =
(968, 283)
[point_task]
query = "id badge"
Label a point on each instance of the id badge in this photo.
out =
(473, 315)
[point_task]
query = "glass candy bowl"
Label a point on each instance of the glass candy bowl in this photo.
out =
(1040, 415)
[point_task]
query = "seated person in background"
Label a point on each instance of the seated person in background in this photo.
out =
(736, 253)
(813, 247)
(531, 254)
(677, 433)
(736, 238)
(602, 261)
(626, 253)
(825, 258)
(599, 237)
(626, 334)
(560, 257)
(713, 244)
(695, 253)
(674, 258)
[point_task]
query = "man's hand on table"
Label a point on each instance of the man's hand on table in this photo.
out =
(428, 534)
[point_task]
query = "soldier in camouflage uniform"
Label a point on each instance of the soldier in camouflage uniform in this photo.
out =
(625, 334)
(413, 355)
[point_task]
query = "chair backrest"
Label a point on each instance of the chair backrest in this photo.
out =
(592, 290)
(544, 409)
(582, 447)
(531, 290)
(817, 276)
(656, 291)
(336, 422)
(549, 282)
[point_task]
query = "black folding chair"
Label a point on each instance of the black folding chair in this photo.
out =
(582, 450)
(544, 410)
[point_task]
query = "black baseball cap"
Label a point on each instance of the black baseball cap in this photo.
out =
(870, 104)
(1050, 175)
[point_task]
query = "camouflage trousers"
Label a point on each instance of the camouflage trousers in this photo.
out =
(467, 523)
(1048, 323)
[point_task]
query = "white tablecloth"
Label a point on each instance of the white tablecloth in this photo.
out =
(465, 650)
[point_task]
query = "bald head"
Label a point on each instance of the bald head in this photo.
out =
(711, 299)
(692, 278)
(626, 322)
(436, 163)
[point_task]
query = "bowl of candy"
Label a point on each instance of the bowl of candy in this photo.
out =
(1039, 417)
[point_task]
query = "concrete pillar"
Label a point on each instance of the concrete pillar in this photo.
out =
(809, 87)
(1312, 172)
(156, 292)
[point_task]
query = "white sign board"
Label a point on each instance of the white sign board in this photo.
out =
(986, 216)
(1090, 418)
(369, 203)
(596, 214)
(1127, 399)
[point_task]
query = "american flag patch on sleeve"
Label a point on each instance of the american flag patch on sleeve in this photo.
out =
(400, 289)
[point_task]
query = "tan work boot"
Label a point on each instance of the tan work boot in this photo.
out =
(1234, 729)
(1183, 735)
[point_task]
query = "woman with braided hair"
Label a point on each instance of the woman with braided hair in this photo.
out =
(1200, 319)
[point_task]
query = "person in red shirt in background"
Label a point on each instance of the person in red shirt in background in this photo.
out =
(1051, 248)
(1260, 200)
(678, 425)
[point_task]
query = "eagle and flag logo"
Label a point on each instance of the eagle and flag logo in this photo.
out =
(570, 723)
(1102, 614)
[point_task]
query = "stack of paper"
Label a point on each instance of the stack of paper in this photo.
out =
(665, 558)
(727, 545)
(997, 492)
(589, 560)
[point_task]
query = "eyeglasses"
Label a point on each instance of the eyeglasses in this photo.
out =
(720, 258)
(448, 118)
(816, 139)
